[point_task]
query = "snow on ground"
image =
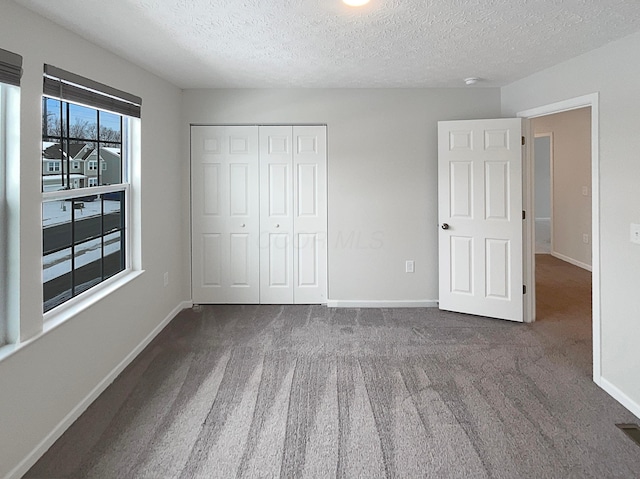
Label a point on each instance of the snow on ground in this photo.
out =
(59, 211)
(59, 263)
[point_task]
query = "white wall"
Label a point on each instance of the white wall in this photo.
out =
(382, 165)
(571, 172)
(44, 380)
(614, 72)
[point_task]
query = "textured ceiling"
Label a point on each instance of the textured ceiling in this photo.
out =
(323, 43)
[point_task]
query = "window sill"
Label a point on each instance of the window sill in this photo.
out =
(73, 307)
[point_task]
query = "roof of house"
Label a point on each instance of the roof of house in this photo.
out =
(53, 151)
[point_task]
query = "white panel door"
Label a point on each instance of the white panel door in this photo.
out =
(225, 214)
(276, 215)
(480, 217)
(310, 212)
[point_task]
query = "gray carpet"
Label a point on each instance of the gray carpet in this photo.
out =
(298, 391)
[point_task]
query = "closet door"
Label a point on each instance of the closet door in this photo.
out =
(225, 214)
(310, 214)
(276, 215)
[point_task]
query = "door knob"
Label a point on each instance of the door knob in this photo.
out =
(243, 225)
(445, 226)
(277, 226)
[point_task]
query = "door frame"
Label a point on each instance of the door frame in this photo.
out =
(589, 100)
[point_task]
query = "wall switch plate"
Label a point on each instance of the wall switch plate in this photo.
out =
(410, 266)
(585, 191)
(635, 233)
(585, 238)
(166, 279)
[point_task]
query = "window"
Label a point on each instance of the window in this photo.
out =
(53, 166)
(84, 230)
(103, 165)
(10, 75)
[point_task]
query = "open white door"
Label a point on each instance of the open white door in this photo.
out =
(480, 217)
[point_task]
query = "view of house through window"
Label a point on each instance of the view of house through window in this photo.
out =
(84, 206)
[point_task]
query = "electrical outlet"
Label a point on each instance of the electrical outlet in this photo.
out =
(166, 279)
(635, 233)
(410, 266)
(585, 238)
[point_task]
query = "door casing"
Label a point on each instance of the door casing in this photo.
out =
(590, 100)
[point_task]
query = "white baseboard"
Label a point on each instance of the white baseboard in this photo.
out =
(44, 445)
(392, 303)
(572, 261)
(621, 397)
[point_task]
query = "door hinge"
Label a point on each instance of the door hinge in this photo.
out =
(524, 215)
(523, 141)
(524, 289)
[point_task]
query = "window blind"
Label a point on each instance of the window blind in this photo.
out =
(10, 67)
(68, 86)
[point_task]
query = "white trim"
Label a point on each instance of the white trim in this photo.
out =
(77, 411)
(572, 261)
(590, 100)
(88, 191)
(58, 315)
(619, 396)
(79, 303)
(558, 107)
(390, 303)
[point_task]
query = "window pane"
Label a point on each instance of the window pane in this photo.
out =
(110, 127)
(113, 254)
(110, 164)
(83, 122)
(88, 264)
(56, 226)
(57, 278)
(56, 258)
(113, 208)
(87, 218)
(51, 118)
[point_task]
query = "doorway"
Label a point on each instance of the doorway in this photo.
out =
(590, 101)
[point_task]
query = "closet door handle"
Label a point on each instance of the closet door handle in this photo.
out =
(278, 226)
(243, 225)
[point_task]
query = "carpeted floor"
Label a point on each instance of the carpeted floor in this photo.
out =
(299, 391)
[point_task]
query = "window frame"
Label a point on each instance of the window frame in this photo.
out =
(96, 290)
(71, 88)
(3, 219)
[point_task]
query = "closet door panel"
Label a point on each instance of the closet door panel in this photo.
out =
(276, 215)
(310, 214)
(225, 214)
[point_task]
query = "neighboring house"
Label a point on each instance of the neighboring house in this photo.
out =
(83, 166)
(109, 166)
